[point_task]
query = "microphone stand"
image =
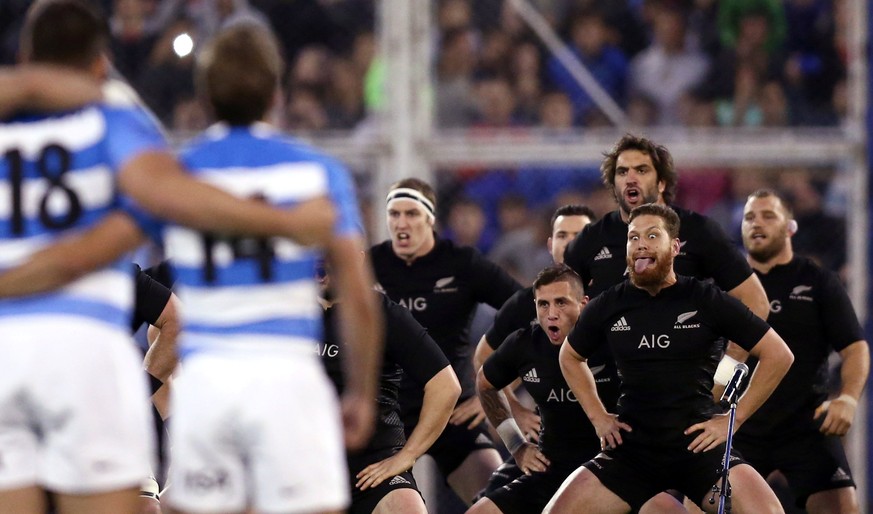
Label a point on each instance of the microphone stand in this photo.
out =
(725, 493)
(730, 397)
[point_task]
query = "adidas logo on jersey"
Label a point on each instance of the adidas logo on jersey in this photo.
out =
(398, 480)
(603, 254)
(620, 326)
(840, 475)
(531, 376)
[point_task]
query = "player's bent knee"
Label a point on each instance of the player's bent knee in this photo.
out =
(834, 501)
(750, 493)
(484, 506)
(401, 501)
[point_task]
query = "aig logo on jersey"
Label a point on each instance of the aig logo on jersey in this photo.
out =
(682, 318)
(327, 350)
(561, 395)
(414, 304)
(653, 342)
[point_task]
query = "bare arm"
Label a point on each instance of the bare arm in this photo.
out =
(44, 87)
(581, 382)
(440, 394)
(853, 374)
(528, 420)
(483, 351)
(774, 359)
(161, 357)
(751, 293)
(72, 257)
(527, 455)
(157, 182)
(361, 324)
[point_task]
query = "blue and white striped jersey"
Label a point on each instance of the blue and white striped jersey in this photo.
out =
(58, 175)
(248, 292)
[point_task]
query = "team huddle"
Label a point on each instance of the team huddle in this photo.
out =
(310, 374)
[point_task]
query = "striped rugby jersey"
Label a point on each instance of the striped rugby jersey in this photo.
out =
(58, 175)
(247, 293)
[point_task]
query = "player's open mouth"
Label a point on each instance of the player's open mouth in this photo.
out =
(402, 236)
(554, 331)
(759, 235)
(632, 194)
(643, 263)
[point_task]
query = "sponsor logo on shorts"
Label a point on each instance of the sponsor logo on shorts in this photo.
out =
(620, 326)
(207, 480)
(483, 439)
(102, 466)
(398, 480)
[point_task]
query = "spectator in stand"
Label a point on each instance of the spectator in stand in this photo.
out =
(454, 81)
(466, 225)
(820, 236)
(134, 32)
(168, 78)
(345, 97)
(589, 42)
(304, 112)
(813, 68)
(519, 248)
(735, 16)
(669, 67)
(753, 54)
(728, 212)
(526, 73)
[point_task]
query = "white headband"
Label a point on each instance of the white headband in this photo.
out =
(405, 193)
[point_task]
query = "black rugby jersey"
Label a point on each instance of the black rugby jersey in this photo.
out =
(598, 253)
(666, 349)
(529, 354)
(150, 298)
(810, 309)
(408, 350)
(520, 312)
(441, 290)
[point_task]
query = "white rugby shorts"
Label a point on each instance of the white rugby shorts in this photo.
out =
(259, 431)
(74, 411)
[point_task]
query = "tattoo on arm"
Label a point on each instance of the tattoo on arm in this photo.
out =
(494, 405)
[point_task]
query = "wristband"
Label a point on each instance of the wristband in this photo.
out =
(725, 370)
(150, 489)
(845, 397)
(511, 435)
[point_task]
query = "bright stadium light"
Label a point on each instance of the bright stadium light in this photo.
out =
(183, 44)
